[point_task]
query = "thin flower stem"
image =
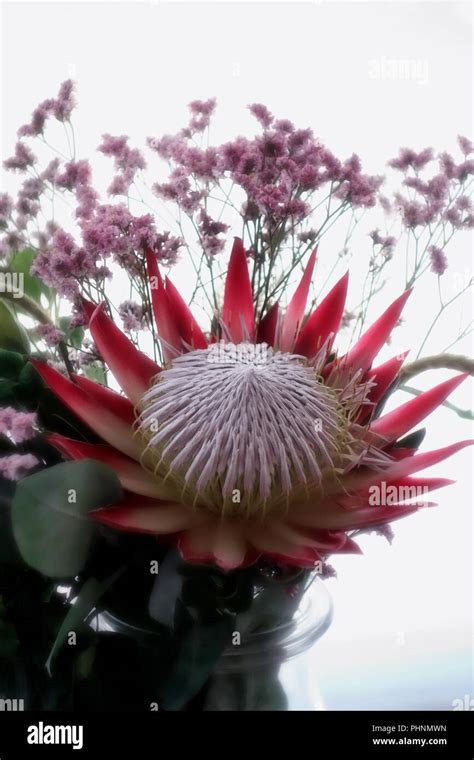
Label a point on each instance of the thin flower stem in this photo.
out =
(440, 312)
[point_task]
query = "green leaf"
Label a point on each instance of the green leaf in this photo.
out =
(11, 364)
(21, 262)
(75, 336)
(83, 605)
(50, 514)
(7, 392)
(13, 335)
(30, 386)
(96, 372)
(8, 551)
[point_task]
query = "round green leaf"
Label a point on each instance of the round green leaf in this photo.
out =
(13, 336)
(11, 364)
(50, 514)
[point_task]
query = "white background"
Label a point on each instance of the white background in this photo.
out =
(402, 634)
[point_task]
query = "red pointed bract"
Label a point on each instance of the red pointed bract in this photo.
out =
(189, 329)
(107, 425)
(267, 328)
(394, 424)
(137, 514)
(368, 346)
(382, 376)
(296, 308)
(407, 466)
(132, 369)
(165, 321)
(324, 321)
(114, 402)
(131, 475)
(237, 312)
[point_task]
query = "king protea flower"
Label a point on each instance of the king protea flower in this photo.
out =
(256, 442)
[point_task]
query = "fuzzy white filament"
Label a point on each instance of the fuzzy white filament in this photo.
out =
(241, 419)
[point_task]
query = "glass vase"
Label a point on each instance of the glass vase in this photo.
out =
(268, 664)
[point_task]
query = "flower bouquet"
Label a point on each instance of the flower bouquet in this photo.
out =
(178, 464)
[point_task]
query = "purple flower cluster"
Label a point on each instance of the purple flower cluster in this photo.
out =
(439, 198)
(18, 426)
(201, 112)
(410, 159)
(6, 208)
(278, 170)
(110, 232)
(21, 159)
(127, 162)
(15, 466)
(113, 231)
(132, 315)
(439, 262)
(51, 335)
(209, 231)
(281, 176)
(60, 108)
(104, 231)
(63, 264)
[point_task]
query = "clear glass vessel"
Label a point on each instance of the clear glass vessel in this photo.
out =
(273, 667)
(270, 662)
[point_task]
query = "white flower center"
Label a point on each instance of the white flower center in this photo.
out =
(238, 427)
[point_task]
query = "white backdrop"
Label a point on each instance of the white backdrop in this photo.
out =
(402, 635)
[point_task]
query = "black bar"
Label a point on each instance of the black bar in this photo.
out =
(137, 735)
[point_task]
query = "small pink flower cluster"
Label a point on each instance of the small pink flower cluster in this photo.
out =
(132, 315)
(127, 162)
(438, 259)
(278, 171)
(105, 231)
(60, 107)
(51, 335)
(15, 466)
(18, 426)
(442, 197)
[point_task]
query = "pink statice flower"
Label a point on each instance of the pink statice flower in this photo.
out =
(15, 466)
(65, 101)
(51, 335)
(38, 120)
(439, 262)
(74, 174)
(19, 426)
(262, 114)
(409, 158)
(6, 208)
(466, 145)
(132, 315)
(127, 162)
(201, 112)
(21, 159)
